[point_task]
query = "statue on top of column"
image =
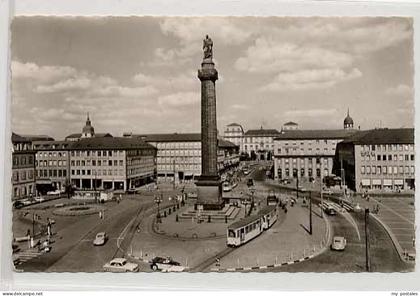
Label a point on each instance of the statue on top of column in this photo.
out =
(208, 47)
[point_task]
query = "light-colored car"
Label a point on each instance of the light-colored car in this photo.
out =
(121, 265)
(226, 187)
(55, 192)
(39, 198)
(338, 243)
(166, 265)
(100, 239)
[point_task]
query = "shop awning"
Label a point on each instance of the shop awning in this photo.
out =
(398, 182)
(376, 182)
(365, 182)
(387, 182)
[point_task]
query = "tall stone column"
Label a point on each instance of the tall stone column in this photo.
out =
(209, 185)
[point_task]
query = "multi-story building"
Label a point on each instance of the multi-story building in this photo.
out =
(234, 133)
(179, 155)
(52, 165)
(111, 163)
(306, 153)
(259, 143)
(379, 159)
(23, 168)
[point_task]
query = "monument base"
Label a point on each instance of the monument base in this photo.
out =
(209, 190)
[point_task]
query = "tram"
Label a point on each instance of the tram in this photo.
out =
(244, 230)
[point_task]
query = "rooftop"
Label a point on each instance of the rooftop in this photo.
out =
(262, 132)
(51, 145)
(19, 139)
(234, 124)
(175, 137)
(383, 136)
(183, 137)
(108, 143)
(290, 123)
(38, 137)
(315, 134)
(97, 135)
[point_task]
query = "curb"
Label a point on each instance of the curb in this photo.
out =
(394, 240)
(262, 267)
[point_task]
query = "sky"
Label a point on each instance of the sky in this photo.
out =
(139, 74)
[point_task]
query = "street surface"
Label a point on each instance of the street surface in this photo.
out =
(129, 225)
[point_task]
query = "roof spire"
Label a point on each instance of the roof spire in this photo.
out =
(88, 116)
(348, 111)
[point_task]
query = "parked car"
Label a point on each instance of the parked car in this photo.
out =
(121, 265)
(339, 243)
(100, 239)
(18, 204)
(165, 264)
(55, 192)
(226, 187)
(39, 199)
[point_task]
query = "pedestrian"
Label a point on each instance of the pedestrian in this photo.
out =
(100, 214)
(28, 233)
(103, 214)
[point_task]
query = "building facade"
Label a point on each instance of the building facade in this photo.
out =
(179, 155)
(306, 153)
(52, 165)
(380, 159)
(259, 143)
(234, 133)
(111, 163)
(23, 168)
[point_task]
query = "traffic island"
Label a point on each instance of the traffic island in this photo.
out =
(79, 210)
(284, 244)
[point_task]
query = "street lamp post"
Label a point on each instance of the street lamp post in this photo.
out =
(252, 190)
(320, 192)
(367, 241)
(310, 212)
(158, 200)
(33, 224)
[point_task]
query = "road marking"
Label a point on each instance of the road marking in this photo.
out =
(394, 212)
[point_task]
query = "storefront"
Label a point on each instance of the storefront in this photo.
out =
(365, 184)
(387, 184)
(377, 184)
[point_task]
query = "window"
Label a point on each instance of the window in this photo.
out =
(373, 147)
(384, 169)
(389, 170)
(401, 169)
(368, 170)
(406, 157)
(395, 157)
(389, 157)
(99, 153)
(412, 169)
(378, 169)
(110, 162)
(94, 162)
(115, 162)
(395, 170)
(412, 156)
(406, 170)
(378, 157)
(401, 157)
(109, 153)
(121, 162)
(373, 170)
(384, 157)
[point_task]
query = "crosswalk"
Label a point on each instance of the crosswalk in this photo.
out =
(23, 256)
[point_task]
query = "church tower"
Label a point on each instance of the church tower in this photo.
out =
(348, 121)
(88, 131)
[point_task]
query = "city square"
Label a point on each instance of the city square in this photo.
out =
(177, 185)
